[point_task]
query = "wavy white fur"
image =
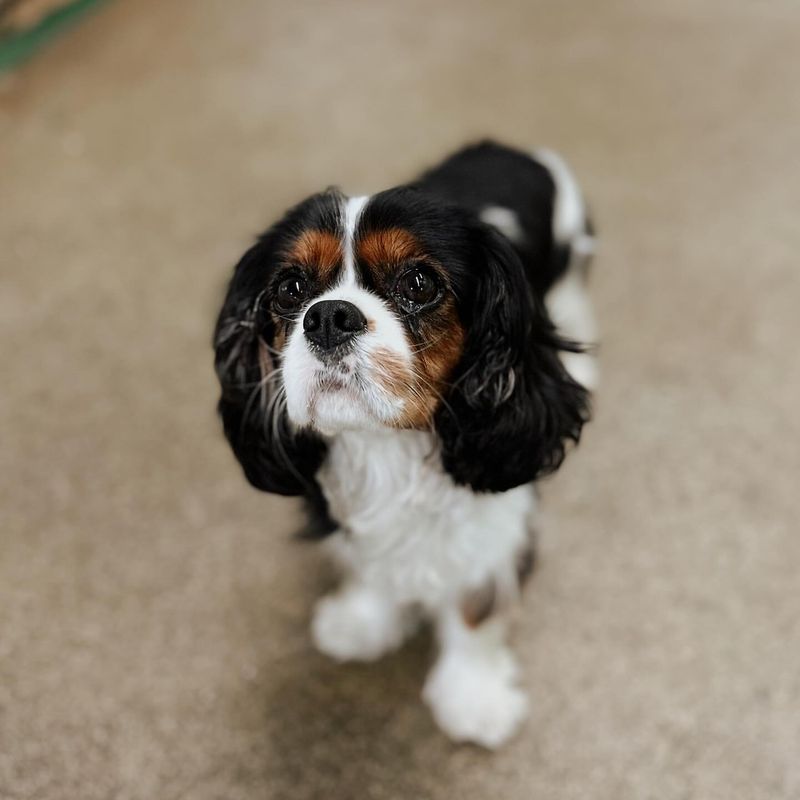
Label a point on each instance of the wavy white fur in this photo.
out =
(412, 540)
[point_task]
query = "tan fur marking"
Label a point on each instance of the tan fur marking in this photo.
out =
(317, 250)
(264, 358)
(398, 380)
(438, 357)
(392, 373)
(435, 361)
(280, 338)
(441, 341)
(386, 249)
(423, 386)
(266, 366)
(478, 604)
(526, 561)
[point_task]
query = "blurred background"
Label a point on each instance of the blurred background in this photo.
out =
(153, 608)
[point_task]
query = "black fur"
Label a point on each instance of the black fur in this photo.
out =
(488, 174)
(273, 458)
(513, 406)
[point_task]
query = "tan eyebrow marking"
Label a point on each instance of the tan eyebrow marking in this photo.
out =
(317, 250)
(388, 247)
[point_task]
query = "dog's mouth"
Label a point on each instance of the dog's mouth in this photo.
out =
(343, 397)
(341, 376)
(340, 382)
(332, 383)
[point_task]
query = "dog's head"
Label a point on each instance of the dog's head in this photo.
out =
(397, 311)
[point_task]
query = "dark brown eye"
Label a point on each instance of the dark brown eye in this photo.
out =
(290, 294)
(416, 288)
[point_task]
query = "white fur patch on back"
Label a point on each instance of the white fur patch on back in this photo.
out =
(505, 220)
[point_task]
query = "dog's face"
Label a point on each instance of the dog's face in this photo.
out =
(394, 311)
(366, 322)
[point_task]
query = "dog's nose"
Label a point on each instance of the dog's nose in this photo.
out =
(330, 323)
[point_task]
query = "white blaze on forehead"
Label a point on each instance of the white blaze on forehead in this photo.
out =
(352, 211)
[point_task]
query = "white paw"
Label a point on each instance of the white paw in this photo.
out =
(356, 625)
(475, 700)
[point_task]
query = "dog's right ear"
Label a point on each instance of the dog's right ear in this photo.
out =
(512, 407)
(252, 404)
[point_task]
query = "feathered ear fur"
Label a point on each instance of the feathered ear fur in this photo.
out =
(252, 406)
(512, 406)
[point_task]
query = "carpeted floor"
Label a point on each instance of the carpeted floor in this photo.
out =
(153, 608)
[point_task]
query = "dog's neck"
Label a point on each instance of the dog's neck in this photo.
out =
(383, 456)
(368, 475)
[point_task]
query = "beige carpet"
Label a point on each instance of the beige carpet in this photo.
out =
(153, 608)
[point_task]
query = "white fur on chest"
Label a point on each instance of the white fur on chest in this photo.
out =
(407, 527)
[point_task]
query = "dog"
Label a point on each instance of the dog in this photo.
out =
(411, 363)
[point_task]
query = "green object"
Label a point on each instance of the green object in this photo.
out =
(18, 46)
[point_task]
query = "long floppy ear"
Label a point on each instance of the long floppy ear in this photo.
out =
(512, 407)
(274, 457)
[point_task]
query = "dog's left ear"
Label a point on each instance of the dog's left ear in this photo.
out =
(512, 407)
(274, 458)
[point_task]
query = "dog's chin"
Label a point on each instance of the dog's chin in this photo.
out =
(338, 408)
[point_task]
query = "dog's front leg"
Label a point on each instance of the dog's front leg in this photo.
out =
(359, 622)
(472, 689)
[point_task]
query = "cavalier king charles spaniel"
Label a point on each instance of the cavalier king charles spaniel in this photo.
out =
(411, 363)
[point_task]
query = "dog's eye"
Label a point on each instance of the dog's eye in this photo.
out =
(290, 293)
(416, 288)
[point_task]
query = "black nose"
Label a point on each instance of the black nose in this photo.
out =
(330, 323)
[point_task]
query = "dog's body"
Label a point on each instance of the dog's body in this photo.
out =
(423, 394)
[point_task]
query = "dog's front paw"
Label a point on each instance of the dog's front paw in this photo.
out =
(356, 625)
(475, 700)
